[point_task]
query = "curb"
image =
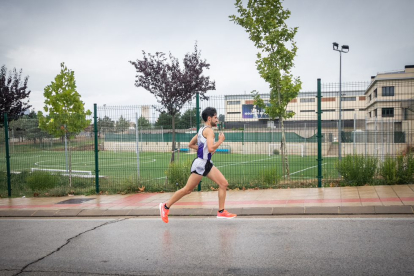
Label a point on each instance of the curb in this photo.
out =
(247, 211)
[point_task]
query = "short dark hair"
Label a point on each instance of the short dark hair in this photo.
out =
(208, 112)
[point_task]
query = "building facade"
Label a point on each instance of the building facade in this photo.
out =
(389, 98)
(241, 108)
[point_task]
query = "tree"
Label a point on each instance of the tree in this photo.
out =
(188, 119)
(221, 118)
(28, 127)
(264, 20)
(67, 115)
(13, 94)
(105, 124)
(122, 124)
(171, 85)
(165, 120)
(143, 122)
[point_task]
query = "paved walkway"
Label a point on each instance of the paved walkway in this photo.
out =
(398, 199)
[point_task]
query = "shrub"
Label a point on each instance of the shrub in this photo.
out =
(40, 181)
(405, 169)
(178, 173)
(357, 170)
(388, 171)
(276, 152)
(269, 177)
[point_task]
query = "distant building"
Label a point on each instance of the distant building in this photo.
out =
(390, 98)
(145, 112)
(241, 108)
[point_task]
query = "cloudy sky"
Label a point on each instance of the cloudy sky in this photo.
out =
(96, 39)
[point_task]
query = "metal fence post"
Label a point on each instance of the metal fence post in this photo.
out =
(95, 129)
(198, 125)
(319, 96)
(6, 132)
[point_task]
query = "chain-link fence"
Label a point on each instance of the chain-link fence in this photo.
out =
(135, 143)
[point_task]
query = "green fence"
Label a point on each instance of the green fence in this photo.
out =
(134, 146)
(234, 136)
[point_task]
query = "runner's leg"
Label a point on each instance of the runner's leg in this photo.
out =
(220, 180)
(192, 182)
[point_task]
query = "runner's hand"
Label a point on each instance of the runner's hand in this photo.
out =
(222, 137)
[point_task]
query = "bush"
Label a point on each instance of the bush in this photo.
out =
(269, 177)
(40, 181)
(276, 152)
(357, 170)
(398, 170)
(405, 169)
(388, 171)
(178, 173)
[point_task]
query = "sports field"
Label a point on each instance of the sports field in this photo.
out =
(120, 166)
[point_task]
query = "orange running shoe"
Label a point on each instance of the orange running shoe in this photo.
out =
(225, 215)
(164, 213)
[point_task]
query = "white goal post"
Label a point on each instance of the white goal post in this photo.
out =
(292, 149)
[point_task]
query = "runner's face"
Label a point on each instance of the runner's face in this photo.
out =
(214, 120)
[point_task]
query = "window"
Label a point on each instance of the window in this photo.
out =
(388, 112)
(375, 113)
(307, 100)
(375, 93)
(233, 102)
(369, 98)
(369, 114)
(388, 91)
(348, 99)
(307, 111)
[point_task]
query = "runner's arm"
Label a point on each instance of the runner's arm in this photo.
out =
(193, 143)
(209, 134)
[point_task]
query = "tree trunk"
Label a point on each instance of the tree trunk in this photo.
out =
(285, 161)
(173, 139)
(286, 171)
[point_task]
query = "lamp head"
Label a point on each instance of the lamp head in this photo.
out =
(345, 48)
(335, 46)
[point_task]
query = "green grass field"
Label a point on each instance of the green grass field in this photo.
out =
(120, 168)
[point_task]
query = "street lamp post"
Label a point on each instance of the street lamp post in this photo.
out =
(344, 49)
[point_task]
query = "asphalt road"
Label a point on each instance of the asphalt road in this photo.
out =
(207, 246)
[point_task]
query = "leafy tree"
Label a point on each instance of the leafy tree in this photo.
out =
(221, 118)
(27, 127)
(165, 120)
(105, 124)
(264, 21)
(188, 119)
(67, 115)
(13, 94)
(171, 85)
(143, 122)
(122, 124)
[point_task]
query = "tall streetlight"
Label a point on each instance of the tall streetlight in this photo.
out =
(344, 49)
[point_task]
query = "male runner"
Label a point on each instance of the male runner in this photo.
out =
(205, 145)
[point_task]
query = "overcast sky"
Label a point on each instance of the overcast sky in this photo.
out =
(96, 39)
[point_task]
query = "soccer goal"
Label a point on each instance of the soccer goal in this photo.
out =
(292, 149)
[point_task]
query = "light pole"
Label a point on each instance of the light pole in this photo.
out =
(344, 49)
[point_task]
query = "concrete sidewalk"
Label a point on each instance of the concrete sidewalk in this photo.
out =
(398, 199)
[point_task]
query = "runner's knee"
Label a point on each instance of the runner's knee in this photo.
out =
(224, 183)
(187, 191)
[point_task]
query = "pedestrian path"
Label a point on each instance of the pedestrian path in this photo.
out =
(395, 199)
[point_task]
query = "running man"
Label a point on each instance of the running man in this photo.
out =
(205, 145)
